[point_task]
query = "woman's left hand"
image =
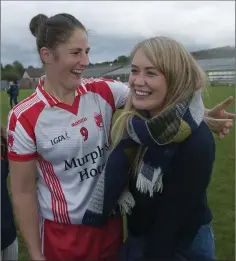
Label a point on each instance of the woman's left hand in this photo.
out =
(220, 121)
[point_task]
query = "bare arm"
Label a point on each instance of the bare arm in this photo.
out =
(23, 188)
(22, 162)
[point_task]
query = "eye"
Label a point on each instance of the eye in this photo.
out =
(151, 74)
(76, 53)
(133, 71)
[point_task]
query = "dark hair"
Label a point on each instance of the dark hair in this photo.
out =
(3, 143)
(50, 32)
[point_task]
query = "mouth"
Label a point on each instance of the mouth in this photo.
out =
(142, 94)
(77, 72)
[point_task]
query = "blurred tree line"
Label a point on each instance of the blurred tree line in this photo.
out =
(11, 72)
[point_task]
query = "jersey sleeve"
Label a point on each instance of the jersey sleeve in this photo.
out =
(20, 138)
(120, 92)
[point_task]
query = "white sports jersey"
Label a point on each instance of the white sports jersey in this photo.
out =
(70, 144)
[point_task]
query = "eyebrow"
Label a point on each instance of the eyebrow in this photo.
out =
(147, 68)
(79, 49)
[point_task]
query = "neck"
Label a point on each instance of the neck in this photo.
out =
(56, 90)
(153, 113)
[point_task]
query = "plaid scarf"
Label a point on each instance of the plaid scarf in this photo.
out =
(159, 138)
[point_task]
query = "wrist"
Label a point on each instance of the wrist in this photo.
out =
(206, 112)
(36, 255)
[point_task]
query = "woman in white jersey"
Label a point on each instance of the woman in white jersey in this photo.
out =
(60, 135)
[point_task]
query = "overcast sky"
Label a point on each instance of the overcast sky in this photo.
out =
(116, 26)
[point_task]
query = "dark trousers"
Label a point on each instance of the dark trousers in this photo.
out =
(13, 98)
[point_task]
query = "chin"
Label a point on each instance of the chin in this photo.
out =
(76, 83)
(140, 105)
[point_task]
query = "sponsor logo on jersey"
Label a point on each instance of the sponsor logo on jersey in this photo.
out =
(78, 122)
(60, 138)
(98, 119)
(92, 169)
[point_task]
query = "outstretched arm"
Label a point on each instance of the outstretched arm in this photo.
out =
(218, 119)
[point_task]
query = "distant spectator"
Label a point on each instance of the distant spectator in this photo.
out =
(13, 92)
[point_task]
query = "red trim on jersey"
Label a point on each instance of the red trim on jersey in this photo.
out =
(26, 113)
(21, 158)
(53, 101)
(108, 80)
(71, 108)
(81, 90)
(11, 154)
(24, 101)
(29, 118)
(22, 108)
(102, 88)
(12, 121)
(59, 204)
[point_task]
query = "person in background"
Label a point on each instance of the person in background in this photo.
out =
(9, 243)
(13, 93)
(60, 136)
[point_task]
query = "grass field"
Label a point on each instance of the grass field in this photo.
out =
(221, 192)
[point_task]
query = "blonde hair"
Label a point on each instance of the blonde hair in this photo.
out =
(182, 73)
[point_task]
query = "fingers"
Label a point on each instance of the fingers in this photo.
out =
(225, 103)
(225, 129)
(227, 123)
(220, 136)
(222, 122)
(229, 115)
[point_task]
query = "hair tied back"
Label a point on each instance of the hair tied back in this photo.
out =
(36, 22)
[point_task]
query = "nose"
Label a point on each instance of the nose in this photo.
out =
(84, 60)
(139, 80)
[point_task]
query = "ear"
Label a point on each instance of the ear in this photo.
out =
(46, 55)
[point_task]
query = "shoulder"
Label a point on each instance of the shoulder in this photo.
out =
(91, 83)
(114, 91)
(22, 120)
(194, 159)
(27, 110)
(200, 146)
(202, 136)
